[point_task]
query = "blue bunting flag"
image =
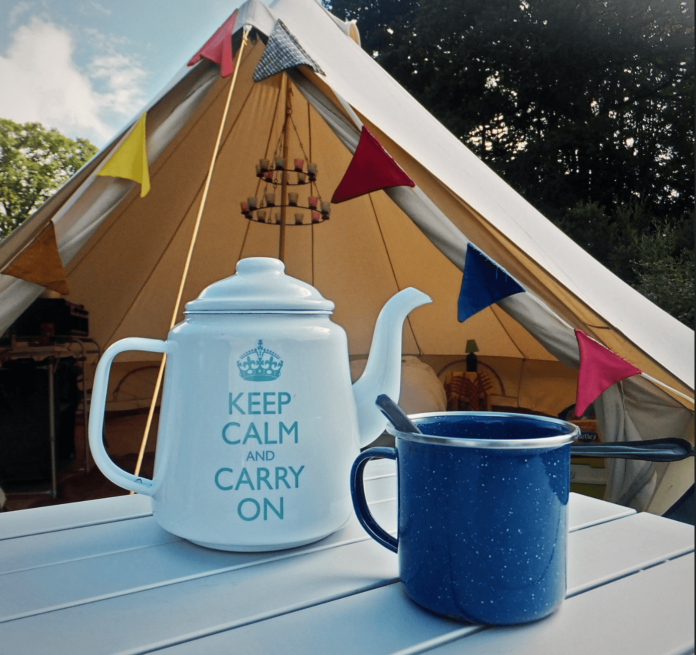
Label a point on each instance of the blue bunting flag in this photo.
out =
(483, 284)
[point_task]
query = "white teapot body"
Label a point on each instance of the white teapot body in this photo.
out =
(270, 457)
(259, 425)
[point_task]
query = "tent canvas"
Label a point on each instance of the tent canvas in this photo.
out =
(123, 254)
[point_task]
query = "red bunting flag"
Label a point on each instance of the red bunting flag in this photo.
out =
(599, 369)
(218, 48)
(371, 169)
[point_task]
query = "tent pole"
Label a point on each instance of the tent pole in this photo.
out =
(184, 275)
(284, 186)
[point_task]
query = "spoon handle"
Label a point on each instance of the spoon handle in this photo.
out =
(652, 450)
(395, 414)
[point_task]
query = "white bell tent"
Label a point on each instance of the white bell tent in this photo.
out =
(123, 254)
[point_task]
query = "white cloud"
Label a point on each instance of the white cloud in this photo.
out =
(17, 11)
(41, 82)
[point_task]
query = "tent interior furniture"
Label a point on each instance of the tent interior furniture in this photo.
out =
(123, 254)
(42, 387)
(123, 432)
(103, 577)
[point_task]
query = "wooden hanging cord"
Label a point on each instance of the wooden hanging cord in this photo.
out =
(184, 275)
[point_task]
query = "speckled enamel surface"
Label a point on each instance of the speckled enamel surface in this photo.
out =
(482, 532)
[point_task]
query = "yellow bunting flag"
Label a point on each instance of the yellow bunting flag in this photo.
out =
(40, 263)
(130, 160)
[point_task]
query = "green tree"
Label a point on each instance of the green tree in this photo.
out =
(34, 163)
(377, 19)
(664, 268)
(653, 255)
(569, 100)
(612, 237)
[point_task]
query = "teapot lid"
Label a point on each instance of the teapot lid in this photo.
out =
(260, 285)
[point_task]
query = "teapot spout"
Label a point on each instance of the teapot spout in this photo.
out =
(383, 370)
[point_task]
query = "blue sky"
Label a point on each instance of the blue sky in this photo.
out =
(86, 67)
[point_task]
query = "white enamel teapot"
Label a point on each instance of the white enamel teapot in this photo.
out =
(259, 422)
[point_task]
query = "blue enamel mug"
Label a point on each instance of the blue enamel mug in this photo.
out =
(482, 513)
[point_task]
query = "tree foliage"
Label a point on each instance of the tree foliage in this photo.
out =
(665, 269)
(34, 163)
(654, 255)
(585, 107)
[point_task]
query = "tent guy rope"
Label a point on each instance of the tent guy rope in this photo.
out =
(194, 235)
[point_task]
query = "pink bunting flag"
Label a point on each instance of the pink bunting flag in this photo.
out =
(371, 169)
(218, 48)
(599, 369)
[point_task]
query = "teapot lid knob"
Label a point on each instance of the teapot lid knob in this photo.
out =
(264, 265)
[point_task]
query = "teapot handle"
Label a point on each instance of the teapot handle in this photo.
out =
(96, 415)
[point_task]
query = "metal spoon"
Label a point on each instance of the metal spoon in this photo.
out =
(395, 414)
(653, 450)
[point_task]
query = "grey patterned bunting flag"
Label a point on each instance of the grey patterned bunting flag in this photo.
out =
(282, 52)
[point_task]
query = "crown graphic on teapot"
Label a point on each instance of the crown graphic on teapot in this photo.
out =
(259, 364)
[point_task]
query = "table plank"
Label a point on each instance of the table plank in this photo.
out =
(584, 511)
(48, 549)
(379, 467)
(381, 621)
(41, 520)
(210, 603)
(380, 488)
(615, 549)
(650, 613)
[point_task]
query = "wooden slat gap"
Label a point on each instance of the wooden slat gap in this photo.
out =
(77, 526)
(607, 519)
(232, 625)
(173, 539)
(379, 477)
(619, 575)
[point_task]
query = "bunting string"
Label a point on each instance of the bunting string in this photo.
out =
(667, 387)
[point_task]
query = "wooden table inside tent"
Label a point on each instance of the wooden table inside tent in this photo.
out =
(103, 577)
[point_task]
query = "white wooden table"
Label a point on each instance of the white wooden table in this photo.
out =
(103, 577)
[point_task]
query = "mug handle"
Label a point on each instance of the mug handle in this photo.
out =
(117, 475)
(357, 491)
